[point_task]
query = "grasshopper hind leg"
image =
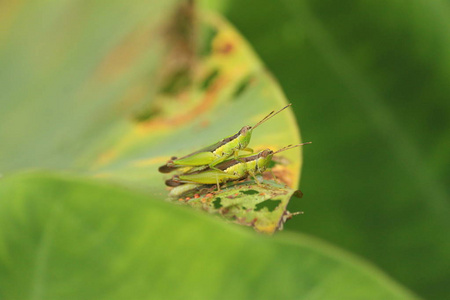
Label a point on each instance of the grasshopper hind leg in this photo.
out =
(217, 182)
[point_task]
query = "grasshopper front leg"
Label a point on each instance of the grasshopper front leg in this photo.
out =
(239, 157)
(247, 150)
(253, 175)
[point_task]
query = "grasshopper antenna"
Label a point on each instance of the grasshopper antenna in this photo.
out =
(291, 146)
(272, 113)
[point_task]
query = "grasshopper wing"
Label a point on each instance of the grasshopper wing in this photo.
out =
(200, 157)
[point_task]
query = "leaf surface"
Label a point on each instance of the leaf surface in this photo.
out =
(108, 92)
(69, 238)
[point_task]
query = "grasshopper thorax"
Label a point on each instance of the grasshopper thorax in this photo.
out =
(245, 134)
(264, 159)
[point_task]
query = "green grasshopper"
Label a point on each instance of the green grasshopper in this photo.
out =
(213, 155)
(230, 170)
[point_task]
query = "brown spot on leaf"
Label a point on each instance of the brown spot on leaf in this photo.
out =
(298, 194)
(182, 117)
(204, 123)
(282, 174)
(224, 48)
(128, 53)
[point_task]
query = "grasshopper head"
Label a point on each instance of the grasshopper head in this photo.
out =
(266, 153)
(245, 134)
(265, 157)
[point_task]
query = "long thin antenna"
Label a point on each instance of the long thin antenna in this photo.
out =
(270, 115)
(291, 146)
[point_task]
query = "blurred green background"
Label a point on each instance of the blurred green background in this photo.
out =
(370, 83)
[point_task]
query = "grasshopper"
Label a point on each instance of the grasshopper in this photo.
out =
(233, 169)
(217, 153)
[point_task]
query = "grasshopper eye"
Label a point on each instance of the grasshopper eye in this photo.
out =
(245, 129)
(266, 153)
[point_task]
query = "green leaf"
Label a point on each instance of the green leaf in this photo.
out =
(263, 206)
(107, 91)
(129, 126)
(227, 89)
(69, 238)
(370, 83)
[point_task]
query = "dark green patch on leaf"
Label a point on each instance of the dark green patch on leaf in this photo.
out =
(217, 203)
(146, 114)
(209, 79)
(242, 87)
(249, 192)
(207, 36)
(177, 82)
(269, 204)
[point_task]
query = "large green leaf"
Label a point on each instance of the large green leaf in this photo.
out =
(227, 89)
(370, 86)
(135, 105)
(109, 91)
(69, 238)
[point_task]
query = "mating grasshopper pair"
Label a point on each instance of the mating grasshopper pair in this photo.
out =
(214, 165)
